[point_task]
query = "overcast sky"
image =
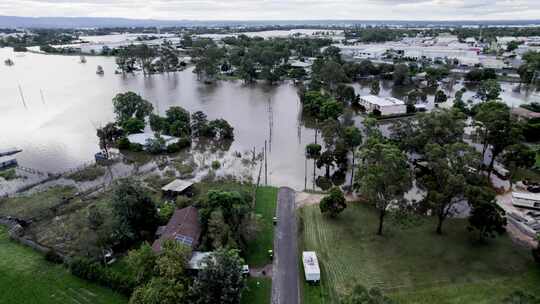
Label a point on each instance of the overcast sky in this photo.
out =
(278, 9)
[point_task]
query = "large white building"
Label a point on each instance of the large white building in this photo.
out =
(386, 105)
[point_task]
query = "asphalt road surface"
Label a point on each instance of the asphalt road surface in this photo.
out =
(285, 276)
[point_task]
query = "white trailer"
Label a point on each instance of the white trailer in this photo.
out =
(311, 266)
(526, 200)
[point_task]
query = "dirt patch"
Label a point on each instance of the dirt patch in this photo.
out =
(308, 199)
(262, 272)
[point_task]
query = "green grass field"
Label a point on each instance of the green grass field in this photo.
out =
(25, 277)
(258, 291)
(265, 209)
(412, 265)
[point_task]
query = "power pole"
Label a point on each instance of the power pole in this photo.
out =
(265, 165)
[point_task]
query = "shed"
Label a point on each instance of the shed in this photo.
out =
(183, 227)
(311, 266)
(178, 187)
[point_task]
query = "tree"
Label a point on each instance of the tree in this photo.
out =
(134, 210)
(108, 136)
(488, 219)
(221, 280)
(440, 97)
(353, 138)
(130, 105)
(142, 263)
(168, 283)
(383, 176)
(401, 75)
(448, 166)
(330, 109)
(489, 90)
(313, 151)
(496, 128)
(334, 203)
(331, 74)
(345, 93)
(133, 125)
(375, 88)
(518, 156)
(361, 295)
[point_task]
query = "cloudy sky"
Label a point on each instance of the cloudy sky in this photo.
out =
(278, 9)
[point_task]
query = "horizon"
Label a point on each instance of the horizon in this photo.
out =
(278, 10)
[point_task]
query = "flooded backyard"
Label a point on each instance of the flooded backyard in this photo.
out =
(52, 105)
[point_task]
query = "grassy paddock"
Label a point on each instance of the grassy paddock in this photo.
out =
(258, 291)
(35, 204)
(412, 265)
(27, 278)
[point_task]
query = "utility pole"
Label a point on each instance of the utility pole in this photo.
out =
(265, 165)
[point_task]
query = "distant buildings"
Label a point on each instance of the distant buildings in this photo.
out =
(387, 106)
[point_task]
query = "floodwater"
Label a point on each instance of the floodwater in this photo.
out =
(64, 101)
(51, 106)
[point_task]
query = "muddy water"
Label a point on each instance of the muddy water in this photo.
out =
(50, 106)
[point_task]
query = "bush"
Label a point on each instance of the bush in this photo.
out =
(173, 148)
(135, 147)
(182, 202)
(53, 257)
(95, 272)
(123, 143)
(184, 142)
(324, 183)
(216, 165)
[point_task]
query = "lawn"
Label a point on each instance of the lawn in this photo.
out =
(412, 265)
(258, 291)
(265, 210)
(27, 278)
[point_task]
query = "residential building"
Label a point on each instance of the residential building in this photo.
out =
(183, 227)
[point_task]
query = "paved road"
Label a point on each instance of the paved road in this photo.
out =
(285, 276)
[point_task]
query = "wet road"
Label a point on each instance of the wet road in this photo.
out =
(285, 276)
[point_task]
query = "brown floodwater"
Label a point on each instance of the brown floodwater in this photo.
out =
(51, 105)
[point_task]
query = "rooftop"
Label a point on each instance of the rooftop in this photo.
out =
(177, 185)
(382, 101)
(183, 227)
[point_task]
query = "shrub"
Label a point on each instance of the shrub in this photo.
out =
(182, 202)
(135, 147)
(93, 271)
(123, 143)
(53, 257)
(173, 148)
(216, 165)
(324, 183)
(184, 142)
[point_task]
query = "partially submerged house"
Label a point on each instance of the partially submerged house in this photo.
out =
(144, 139)
(183, 227)
(386, 105)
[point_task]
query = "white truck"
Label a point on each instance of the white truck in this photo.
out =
(311, 267)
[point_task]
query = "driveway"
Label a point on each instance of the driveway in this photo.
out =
(285, 276)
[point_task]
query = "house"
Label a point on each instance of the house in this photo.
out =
(183, 227)
(386, 105)
(143, 138)
(312, 271)
(178, 187)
